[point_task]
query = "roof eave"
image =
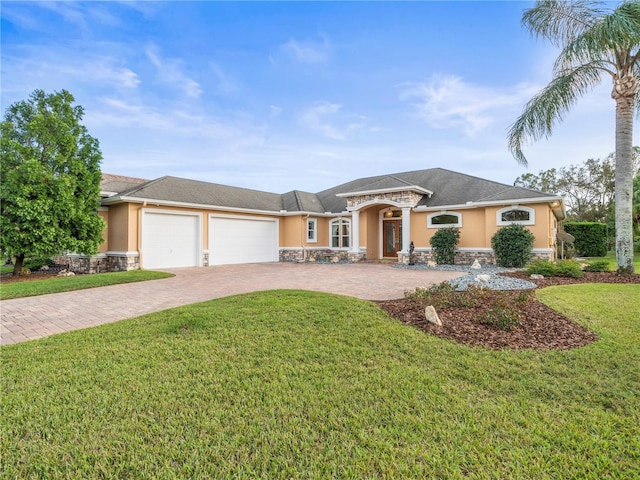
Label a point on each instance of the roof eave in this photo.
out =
(412, 188)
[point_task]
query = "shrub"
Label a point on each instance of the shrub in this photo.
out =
(442, 295)
(512, 245)
(597, 266)
(444, 243)
(542, 267)
(501, 317)
(36, 263)
(568, 268)
(591, 238)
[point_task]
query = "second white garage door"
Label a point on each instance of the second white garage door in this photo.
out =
(242, 240)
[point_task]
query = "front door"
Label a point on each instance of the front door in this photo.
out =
(392, 237)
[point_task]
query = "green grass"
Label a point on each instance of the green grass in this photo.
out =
(611, 258)
(290, 384)
(6, 269)
(66, 284)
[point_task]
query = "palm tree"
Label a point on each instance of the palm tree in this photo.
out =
(594, 42)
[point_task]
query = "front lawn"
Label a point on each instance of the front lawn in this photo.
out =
(66, 284)
(290, 384)
(611, 258)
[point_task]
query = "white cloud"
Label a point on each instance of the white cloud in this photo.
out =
(306, 52)
(447, 101)
(328, 120)
(170, 72)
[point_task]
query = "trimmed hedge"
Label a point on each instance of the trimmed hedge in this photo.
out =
(591, 238)
(444, 243)
(512, 245)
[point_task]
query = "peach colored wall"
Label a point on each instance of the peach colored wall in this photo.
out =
(104, 246)
(293, 231)
(118, 228)
(371, 233)
(540, 230)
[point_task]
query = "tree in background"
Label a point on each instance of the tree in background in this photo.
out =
(594, 41)
(50, 179)
(588, 189)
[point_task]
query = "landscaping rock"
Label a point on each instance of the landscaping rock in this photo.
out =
(432, 316)
(476, 264)
(66, 273)
(536, 276)
(483, 278)
(44, 268)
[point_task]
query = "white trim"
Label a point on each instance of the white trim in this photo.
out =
(122, 254)
(315, 230)
(431, 216)
(468, 205)
(529, 210)
(408, 188)
(379, 201)
(82, 255)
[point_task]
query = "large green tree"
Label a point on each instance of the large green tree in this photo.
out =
(50, 179)
(588, 188)
(595, 42)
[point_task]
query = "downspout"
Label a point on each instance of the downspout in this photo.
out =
(302, 237)
(139, 242)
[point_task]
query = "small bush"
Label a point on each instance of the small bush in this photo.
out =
(512, 245)
(597, 266)
(36, 263)
(541, 267)
(568, 268)
(442, 295)
(444, 243)
(501, 317)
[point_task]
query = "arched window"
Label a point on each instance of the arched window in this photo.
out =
(444, 219)
(340, 233)
(517, 214)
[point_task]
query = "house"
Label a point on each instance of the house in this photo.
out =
(176, 222)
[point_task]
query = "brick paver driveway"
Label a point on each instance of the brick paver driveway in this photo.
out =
(35, 317)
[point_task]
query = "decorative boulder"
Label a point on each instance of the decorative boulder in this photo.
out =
(432, 316)
(536, 276)
(431, 264)
(476, 264)
(483, 278)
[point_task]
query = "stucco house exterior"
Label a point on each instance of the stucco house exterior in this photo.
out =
(175, 222)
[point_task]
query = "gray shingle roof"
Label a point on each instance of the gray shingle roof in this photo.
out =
(450, 188)
(173, 189)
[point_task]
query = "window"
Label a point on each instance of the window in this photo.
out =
(340, 233)
(444, 219)
(519, 215)
(312, 230)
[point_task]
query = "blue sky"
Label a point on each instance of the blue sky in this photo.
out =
(278, 96)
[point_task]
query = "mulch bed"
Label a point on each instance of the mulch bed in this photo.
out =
(542, 328)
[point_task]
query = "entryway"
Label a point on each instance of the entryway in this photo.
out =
(392, 243)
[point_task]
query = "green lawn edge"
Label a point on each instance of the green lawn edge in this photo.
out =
(67, 284)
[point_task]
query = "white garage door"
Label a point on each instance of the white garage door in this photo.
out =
(170, 240)
(242, 240)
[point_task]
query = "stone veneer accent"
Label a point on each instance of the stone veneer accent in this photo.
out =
(299, 255)
(101, 263)
(464, 257)
(406, 197)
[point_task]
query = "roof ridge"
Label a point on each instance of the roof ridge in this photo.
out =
(137, 188)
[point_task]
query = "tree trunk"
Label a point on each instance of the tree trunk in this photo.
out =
(17, 267)
(624, 181)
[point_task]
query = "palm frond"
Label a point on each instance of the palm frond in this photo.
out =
(562, 21)
(611, 37)
(549, 106)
